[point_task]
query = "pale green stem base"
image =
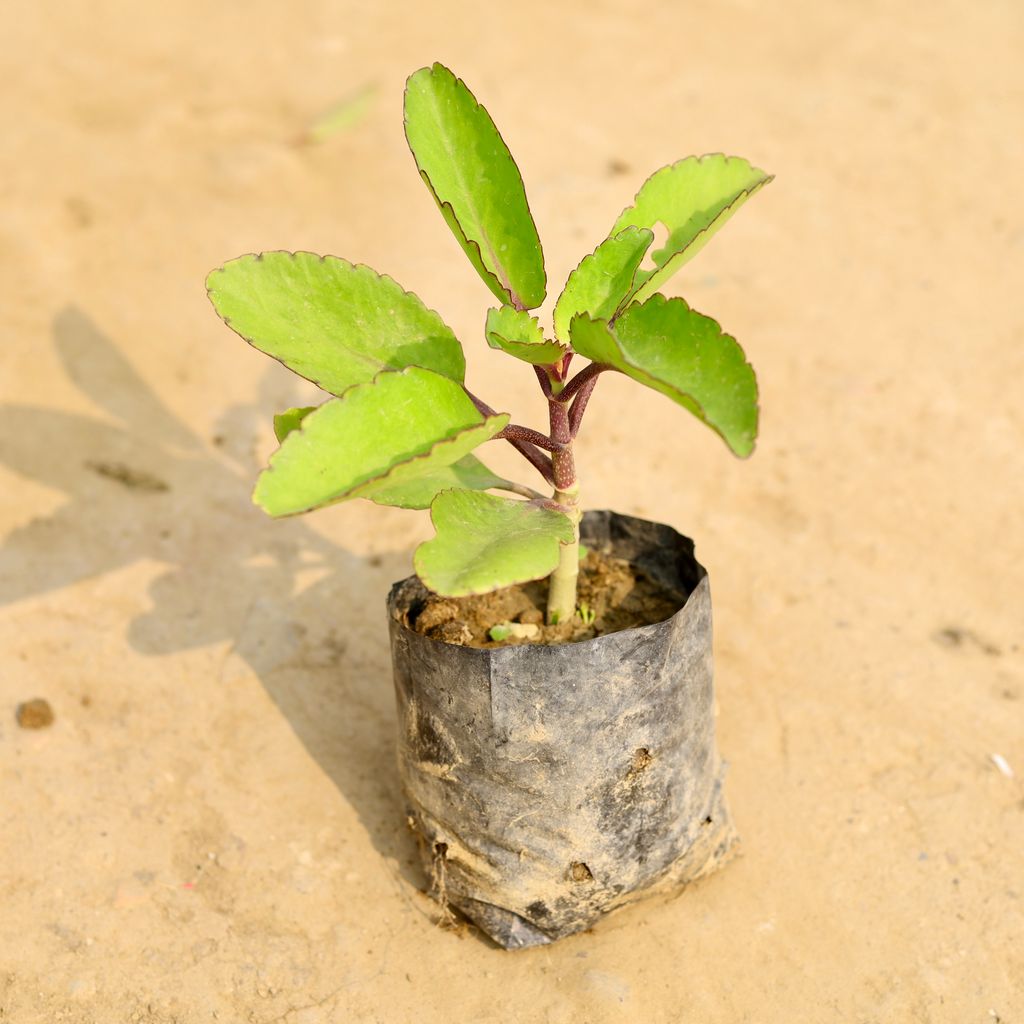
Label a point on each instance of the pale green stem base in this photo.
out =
(562, 582)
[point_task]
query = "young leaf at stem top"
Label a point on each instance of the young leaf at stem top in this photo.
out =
(520, 335)
(603, 280)
(465, 163)
(400, 428)
(485, 542)
(693, 198)
(681, 353)
(332, 322)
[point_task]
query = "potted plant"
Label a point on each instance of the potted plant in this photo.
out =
(556, 738)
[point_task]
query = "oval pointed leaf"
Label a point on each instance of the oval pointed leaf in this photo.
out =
(519, 334)
(681, 353)
(332, 322)
(693, 198)
(485, 542)
(394, 430)
(469, 472)
(468, 168)
(289, 420)
(603, 280)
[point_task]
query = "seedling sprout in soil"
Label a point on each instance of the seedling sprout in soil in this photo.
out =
(402, 424)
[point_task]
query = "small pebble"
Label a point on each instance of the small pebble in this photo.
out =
(34, 714)
(523, 630)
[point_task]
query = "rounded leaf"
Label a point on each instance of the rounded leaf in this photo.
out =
(516, 332)
(686, 356)
(693, 198)
(399, 428)
(485, 542)
(419, 492)
(333, 322)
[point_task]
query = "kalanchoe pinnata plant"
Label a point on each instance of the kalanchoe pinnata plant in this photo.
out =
(401, 426)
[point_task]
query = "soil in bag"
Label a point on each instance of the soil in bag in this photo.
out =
(612, 595)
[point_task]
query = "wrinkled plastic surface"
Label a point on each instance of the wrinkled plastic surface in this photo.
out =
(551, 785)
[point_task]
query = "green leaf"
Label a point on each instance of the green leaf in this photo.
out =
(395, 430)
(601, 283)
(681, 353)
(332, 322)
(417, 493)
(519, 334)
(693, 199)
(468, 472)
(485, 542)
(475, 182)
(289, 420)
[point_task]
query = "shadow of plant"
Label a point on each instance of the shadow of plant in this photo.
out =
(304, 614)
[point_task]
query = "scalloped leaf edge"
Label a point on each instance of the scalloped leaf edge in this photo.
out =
(699, 411)
(323, 258)
(498, 421)
(523, 349)
(590, 256)
(538, 503)
(508, 294)
(674, 262)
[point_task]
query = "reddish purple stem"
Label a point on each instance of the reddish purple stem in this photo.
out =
(514, 432)
(581, 380)
(528, 450)
(536, 458)
(578, 407)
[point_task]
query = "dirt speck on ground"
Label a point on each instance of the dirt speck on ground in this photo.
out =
(958, 636)
(34, 714)
(612, 596)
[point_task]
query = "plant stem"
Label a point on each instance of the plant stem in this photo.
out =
(530, 452)
(535, 457)
(584, 377)
(579, 405)
(562, 583)
(514, 432)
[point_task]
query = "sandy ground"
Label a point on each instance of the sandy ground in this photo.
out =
(210, 830)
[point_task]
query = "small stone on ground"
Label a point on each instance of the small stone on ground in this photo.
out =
(34, 714)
